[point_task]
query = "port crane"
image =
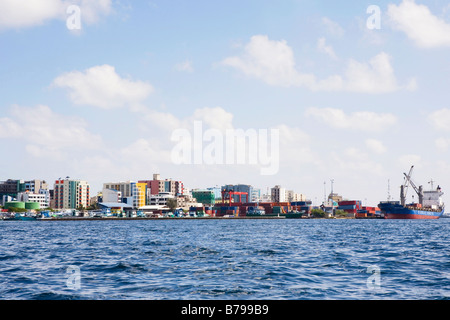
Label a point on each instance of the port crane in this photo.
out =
(405, 186)
(228, 195)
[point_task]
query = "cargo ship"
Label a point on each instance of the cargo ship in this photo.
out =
(430, 204)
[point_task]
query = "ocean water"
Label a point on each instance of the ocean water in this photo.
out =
(225, 260)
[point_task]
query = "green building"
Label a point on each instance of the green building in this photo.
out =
(205, 197)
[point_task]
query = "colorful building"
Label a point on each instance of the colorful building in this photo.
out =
(139, 194)
(71, 194)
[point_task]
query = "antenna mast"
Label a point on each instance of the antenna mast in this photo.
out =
(389, 190)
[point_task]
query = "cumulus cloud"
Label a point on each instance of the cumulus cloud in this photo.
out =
(419, 24)
(185, 66)
(375, 146)
(18, 14)
(442, 144)
(440, 119)
(332, 27)
(211, 117)
(362, 121)
(273, 62)
(408, 160)
(102, 87)
(45, 132)
(327, 49)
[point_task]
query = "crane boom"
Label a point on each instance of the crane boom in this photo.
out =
(418, 190)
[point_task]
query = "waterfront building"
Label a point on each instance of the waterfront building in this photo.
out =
(294, 197)
(125, 188)
(278, 194)
(205, 197)
(139, 194)
(179, 188)
(111, 195)
(35, 186)
(10, 188)
(265, 198)
(71, 194)
(157, 185)
(160, 199)
(255, 195)
(40, 198)
(217, 192)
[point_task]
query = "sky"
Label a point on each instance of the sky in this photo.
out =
(353, 92)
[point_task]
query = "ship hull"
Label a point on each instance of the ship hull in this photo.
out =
(410, 216)
(396, 211)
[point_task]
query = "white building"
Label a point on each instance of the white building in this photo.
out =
(278, 194)
(111, 196)
(294, 197)
(34, 197)
(160, 199)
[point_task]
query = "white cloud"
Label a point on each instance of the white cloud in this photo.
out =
(362, 121)
(91, 11)
(185, 66)
(295, 146)
(9, 128)
(46, 133)
(352, 161)
(442, 144)
(333, 28)
(273, 62)
(408, 160)
(102, 87)
(440, 119)
(215, 118)
(377, 76)
(30, 13)
(324, 48)
(376, 146)
(419, 24)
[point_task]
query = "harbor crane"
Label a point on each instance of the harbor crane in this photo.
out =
(228, 195)
(404, 188)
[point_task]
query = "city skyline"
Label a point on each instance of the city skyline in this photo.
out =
(356, 92)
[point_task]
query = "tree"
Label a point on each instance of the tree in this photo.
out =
(318, 213)
(340, 213)
(172, 204)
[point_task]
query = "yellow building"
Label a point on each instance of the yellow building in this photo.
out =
(139, 195)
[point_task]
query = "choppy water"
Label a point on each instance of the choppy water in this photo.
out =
(225, 259)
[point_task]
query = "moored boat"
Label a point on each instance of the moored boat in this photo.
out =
(430, 204)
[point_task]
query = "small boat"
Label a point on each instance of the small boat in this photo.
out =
(255, 211)
(295, 215)
(20, 217)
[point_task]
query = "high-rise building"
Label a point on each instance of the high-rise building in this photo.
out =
(139, 194)
(71, 194)
(125, 188)
(157, 186)
(278, 194)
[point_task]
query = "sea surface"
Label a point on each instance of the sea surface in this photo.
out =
(225, 260)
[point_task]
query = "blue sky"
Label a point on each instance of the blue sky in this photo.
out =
(355, 105)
